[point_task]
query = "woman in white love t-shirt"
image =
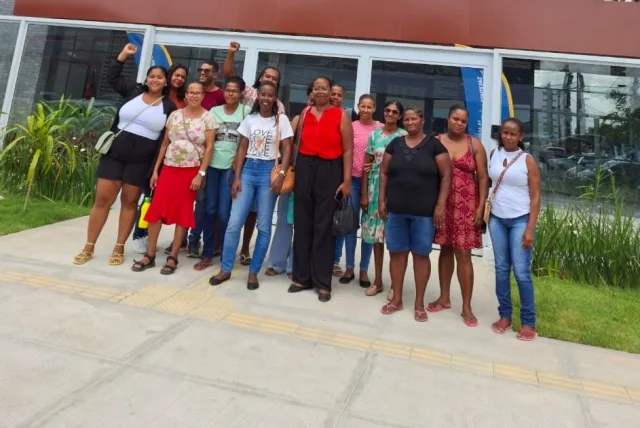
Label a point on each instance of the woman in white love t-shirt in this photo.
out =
(266, 135)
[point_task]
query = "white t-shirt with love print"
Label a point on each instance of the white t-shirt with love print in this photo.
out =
(261, 133)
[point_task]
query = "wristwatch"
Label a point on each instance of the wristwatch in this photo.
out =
(202, 173)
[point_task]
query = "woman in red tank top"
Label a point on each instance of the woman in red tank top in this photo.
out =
(323, 171)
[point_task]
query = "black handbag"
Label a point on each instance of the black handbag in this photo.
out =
(344, 219)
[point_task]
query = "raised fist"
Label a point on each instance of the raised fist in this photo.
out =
(234, 47)
(129, 49)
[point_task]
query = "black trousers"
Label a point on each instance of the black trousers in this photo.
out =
(314, 204)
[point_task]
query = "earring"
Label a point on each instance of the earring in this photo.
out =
(165, 84)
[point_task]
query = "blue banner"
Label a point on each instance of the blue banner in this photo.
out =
(472, 84)
(159, 56)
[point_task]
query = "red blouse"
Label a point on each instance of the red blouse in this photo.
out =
(322, 137)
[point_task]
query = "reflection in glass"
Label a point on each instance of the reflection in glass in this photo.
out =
(8, 35)
(297, 71)
(432, 88)
(580, 119)
(193, 58)
(70, 62)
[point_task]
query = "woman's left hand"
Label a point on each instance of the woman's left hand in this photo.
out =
(478, 217)
(438, 215)
(276, 186)
(344, 189)
(196, 183)
(527, 238)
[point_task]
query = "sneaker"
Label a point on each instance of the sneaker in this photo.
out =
(140, 245)
(193, 250)
(183, 247)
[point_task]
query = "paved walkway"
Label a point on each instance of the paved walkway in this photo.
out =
(98, 346)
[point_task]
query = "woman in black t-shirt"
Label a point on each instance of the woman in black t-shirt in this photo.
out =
(415, 178)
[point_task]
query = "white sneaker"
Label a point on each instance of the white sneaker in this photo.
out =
(140, 245)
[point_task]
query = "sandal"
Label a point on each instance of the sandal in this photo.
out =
(337, 271)
(167, 269)
(435, 307)
(214, 280)
(526, 334)
(390, 308)
(203, 264)
(271, 272)
(501, 325)
(140, 266)
(420, 315)
(83, 256)
(117, 259)
(373, 290)
(245, 260)
(469, 320)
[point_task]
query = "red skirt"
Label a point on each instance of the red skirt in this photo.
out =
(172, 201)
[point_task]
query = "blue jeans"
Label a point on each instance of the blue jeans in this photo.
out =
(256, 187)
(217, 204)
(196, 232)
(281, 253)
(350, 241)
(506, 236)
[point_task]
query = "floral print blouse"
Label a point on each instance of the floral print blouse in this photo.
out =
(187, 139)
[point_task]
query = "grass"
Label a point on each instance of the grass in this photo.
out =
(599, 316)
(40, 212)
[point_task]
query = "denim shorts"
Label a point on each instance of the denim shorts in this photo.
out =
(409, 233)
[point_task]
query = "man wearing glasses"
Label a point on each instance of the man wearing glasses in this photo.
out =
(213, 95)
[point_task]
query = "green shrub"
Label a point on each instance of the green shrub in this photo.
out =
(53, 155)
(593, 240)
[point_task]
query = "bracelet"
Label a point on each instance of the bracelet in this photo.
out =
(283, 172)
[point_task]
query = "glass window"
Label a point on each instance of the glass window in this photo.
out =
(193, 58)
(8, 35)
(432, 88)
(579, 119)
(297, 71)
(59, 61)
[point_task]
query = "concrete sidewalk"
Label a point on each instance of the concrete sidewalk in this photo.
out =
(98, 346)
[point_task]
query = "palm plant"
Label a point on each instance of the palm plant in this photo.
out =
(41, 143)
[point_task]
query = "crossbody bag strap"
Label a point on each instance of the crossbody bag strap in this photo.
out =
(495, 188)
(139, 113)
(296, 145)
(186, 131)
(277, 137)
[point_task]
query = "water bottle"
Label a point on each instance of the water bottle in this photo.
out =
(142, 223)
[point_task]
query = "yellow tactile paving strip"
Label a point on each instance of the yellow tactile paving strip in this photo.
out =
(200, 301)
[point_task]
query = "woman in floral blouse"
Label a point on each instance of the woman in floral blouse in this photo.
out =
(185, 152)
(372, 224)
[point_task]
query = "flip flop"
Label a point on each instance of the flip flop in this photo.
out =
(203, 264)
(245, 260)
(390, 308)
(270, 272)
(435, 307)
(469, 320)
(526, 334)
(420, 315)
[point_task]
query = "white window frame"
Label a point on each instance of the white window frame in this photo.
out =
(23, 29)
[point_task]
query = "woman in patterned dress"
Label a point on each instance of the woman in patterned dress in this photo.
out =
(184, 156)
(461, 231)
(372, 224)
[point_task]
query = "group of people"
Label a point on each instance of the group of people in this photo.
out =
(216, 161)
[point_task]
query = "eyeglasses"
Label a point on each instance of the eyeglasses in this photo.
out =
(194, 94)
(205, 70)
(232, 91)
(390, 111)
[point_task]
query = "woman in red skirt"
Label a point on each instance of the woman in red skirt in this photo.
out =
(185, 153)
